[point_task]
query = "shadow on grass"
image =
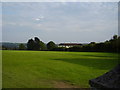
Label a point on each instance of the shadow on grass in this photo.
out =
(97, 63)
(105, 56)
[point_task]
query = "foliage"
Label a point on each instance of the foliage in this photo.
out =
(42, 46)
(22, 47)
(36, 44)
(30, 44)
(4, 48)
(60, 49)
(111, 45)
(51, 45)
(75, 48)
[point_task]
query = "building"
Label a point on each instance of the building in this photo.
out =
(68, 45)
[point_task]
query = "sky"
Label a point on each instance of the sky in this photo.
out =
(73, 22)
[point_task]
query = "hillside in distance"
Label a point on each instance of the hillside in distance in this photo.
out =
(11, 45)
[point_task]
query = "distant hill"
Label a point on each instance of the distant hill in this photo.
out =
(10, 45)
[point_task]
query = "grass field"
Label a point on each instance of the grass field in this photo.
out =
(48, 69)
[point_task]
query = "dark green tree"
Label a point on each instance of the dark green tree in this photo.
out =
(4, 48)
(42, 46)
(22, 47)
(30, 44)
(37, 39)
(115, 37)
(118, 44)
(37, 45)
(51, 45)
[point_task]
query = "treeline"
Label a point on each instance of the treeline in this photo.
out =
(36, 44)
(13, 46)
(111, 45)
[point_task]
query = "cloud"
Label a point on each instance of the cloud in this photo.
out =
(61, 20)
(37, 19)
(40, 18)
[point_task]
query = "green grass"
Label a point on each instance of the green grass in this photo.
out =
(38, 69)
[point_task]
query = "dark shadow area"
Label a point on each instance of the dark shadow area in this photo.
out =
(94, 62)
(98, 55)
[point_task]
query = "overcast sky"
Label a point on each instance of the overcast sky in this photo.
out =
(60, 22)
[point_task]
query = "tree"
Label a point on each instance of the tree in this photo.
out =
(75, 48)
(37, 45)
(51, 45)
(42, 46)
(22, 47)
(30, 44)
(4, 48)
(115, 37)
(118, 44)
(37, 39)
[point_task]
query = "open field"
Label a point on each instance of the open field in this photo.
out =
(48, 69)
